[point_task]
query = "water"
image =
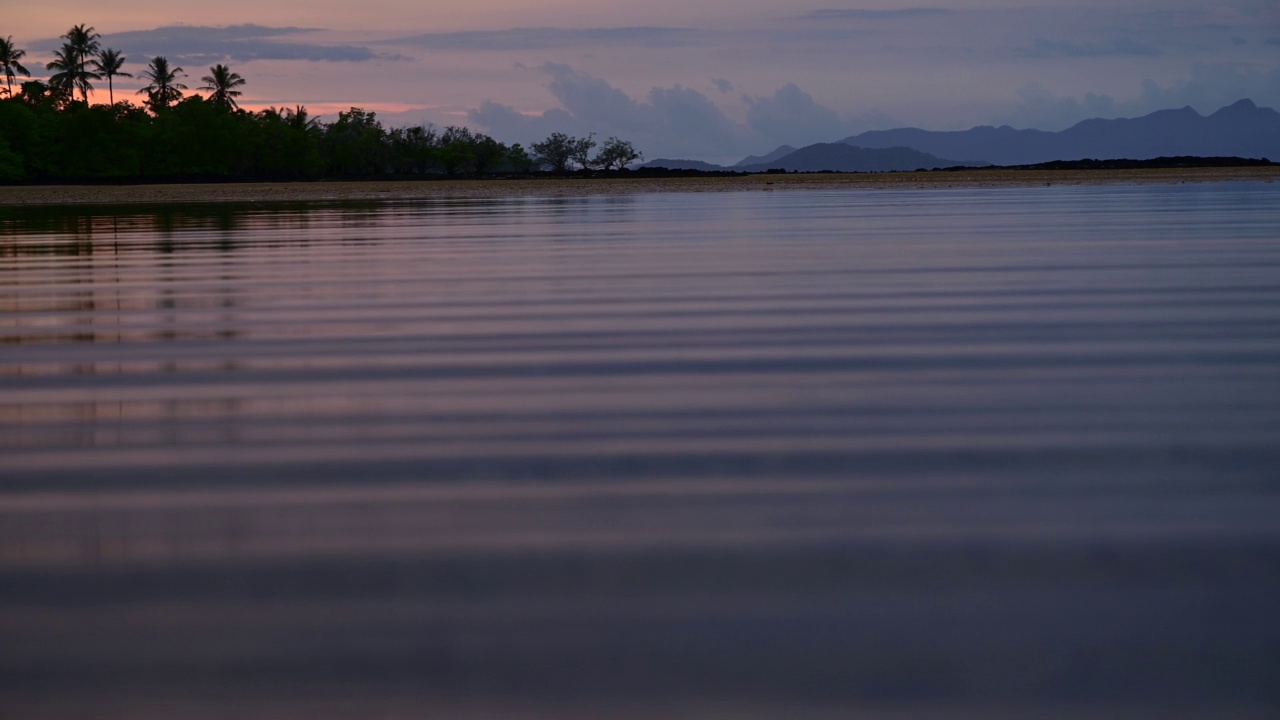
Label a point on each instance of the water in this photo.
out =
(901, 453)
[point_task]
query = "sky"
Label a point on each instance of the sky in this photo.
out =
(713, 80)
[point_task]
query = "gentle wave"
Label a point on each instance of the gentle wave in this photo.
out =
(820, 450)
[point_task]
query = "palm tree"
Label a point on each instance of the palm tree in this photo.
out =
(164, 88)
(64, 62)
(83, 42)
(108, 64)
(221, 83)
(10, 61)
(84, 38)
(299, 119)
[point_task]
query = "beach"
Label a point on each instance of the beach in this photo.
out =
(576, 187)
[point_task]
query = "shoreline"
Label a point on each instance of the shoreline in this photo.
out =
(331, 191)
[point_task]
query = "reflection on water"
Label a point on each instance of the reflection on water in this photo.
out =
(742, 454)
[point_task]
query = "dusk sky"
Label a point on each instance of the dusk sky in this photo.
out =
(714, 80)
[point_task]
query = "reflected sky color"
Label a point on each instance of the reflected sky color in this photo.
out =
(945, 453)
(714, 80)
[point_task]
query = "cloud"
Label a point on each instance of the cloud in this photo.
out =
(863, 14)
(792, 112)
(1273, 41)
(1042, 110)
(675, 121)
(679, 118)
(595, 101)
(1044, 48)
(546, 38)
(692, 115)
(722, 85)
(195, 44)
(1207, 88)
(506, 123)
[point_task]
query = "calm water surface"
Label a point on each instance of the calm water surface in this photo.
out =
(775, 454)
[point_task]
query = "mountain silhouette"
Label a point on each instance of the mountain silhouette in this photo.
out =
(780, 152)
(839, 157)
(1239, 130)
(676, 164)
(825, 157)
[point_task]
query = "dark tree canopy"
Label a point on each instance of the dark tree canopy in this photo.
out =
(616, 154)
(48, 134)
(559, 151)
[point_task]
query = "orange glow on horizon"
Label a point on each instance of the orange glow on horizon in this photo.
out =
(100, 96)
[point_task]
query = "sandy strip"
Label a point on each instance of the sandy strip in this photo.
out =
(571, 187)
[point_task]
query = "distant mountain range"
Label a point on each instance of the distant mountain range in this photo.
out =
(778, 154)
(846, 157)
(1239, 130)
(837, 157)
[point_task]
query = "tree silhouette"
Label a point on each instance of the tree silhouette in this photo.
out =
(616, 154)
(48, 134)
(300, 120)
(221, 84)
(11, 62)
(63, 81)
(83, 42)
(108, 64)
(556, 152)
(582, 150)
(35, 93)
(520, 160)
(163, 88)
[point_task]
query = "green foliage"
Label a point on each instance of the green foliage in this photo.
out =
(581, 153)
(356, 144)
(456, 152)
(414, 150)
(519, 159)
(464, 151)
(555, 153)
(486, 153)
(10, 163)
(196, 138)
(93, 143)
(285, 145)
(27, 124)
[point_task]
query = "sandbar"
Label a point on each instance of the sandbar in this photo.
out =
(587, 186)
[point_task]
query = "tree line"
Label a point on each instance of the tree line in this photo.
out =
(50, 132)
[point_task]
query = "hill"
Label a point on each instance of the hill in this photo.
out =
(675, 164)
(1239, 130)
(825, 157)
(838, 157)
(780, 152)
